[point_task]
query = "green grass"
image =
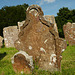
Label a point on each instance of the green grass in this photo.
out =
(5, 61)
(67, 63)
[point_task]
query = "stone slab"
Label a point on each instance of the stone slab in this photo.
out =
(20, 24)
(10, 35)
(69, 33)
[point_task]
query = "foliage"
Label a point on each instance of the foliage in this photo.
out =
(9, 16)
(67, 63)
(65, 15)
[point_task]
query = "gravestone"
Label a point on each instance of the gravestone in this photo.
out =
(20, 24)
(10, 35)
(69, 33)
(1, 41)
(39, 40)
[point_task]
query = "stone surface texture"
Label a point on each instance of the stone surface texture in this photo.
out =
(69, 33)
(39, 38)
(20, 24)
(1, 41)
(10, 35)
(22, 61)
(51, 19)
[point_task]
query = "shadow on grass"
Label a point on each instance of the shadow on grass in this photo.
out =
(67, 44)
(2, 55)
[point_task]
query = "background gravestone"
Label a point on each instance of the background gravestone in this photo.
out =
(40, 40)
(10, 35)
(51, 19)
(69, 33)
(20, 24)
(1, 41)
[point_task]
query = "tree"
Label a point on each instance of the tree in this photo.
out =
(65, 15)
(9, 16)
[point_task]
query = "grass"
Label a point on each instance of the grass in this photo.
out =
(5, 62)
(67, 63)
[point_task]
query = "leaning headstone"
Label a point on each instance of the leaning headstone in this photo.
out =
(39, 41)
(20, 24)
(10, 35)
(1, 41)
(69, 33)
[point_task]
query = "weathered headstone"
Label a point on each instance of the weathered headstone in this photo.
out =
(10, 35)
(1, 41)
(20, 24)
(69, 33)
(40, 40)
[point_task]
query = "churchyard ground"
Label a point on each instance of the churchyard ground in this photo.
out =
(67, 63)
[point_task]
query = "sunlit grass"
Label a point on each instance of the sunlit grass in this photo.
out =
(67, 63)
